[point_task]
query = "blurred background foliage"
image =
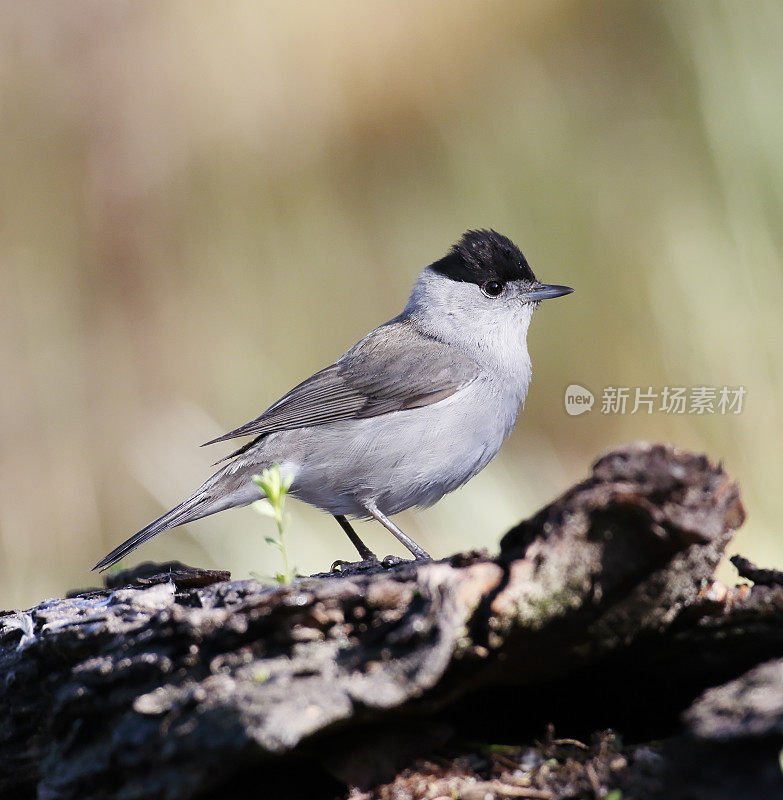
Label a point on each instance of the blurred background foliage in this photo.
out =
(202, 203)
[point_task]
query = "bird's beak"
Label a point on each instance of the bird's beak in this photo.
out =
(545, 291)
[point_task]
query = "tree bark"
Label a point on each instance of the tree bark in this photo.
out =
(598, 612)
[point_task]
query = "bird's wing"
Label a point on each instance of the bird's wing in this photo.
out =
(374, 377)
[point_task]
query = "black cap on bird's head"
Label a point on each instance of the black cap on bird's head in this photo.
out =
(487, 257)
(481, 256)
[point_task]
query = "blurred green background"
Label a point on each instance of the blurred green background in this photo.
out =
(201, 203)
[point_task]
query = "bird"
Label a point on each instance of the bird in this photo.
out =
(413, 411)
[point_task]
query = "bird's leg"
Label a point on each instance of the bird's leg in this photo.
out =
(364, 552)
(368, 558)
(418, 553)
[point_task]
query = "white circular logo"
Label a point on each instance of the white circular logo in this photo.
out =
(578, 400)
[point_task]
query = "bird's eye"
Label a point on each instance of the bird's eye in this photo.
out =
(492, 288)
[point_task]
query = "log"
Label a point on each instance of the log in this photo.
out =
(598, 612)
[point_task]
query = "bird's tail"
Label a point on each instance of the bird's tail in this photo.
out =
(215, 495)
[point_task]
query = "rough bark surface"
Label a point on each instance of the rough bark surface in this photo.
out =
(599, 612)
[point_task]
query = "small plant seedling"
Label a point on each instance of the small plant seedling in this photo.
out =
(275, 487)
(261, 676)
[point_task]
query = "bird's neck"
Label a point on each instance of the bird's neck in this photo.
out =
(499, 348)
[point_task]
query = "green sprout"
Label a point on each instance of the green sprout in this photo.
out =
(275, 488)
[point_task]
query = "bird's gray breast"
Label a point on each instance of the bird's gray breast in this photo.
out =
(403, 459)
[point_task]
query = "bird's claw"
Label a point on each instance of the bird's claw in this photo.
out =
(340, 565)
(372, 561)
(367, 563)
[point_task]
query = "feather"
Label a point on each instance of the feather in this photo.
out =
(383, 373)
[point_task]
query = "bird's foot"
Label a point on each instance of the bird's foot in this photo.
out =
(367, 564)
(355, 566)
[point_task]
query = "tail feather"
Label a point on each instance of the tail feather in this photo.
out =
(229, 487)
(191, 509)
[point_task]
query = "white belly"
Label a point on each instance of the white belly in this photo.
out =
(399, 460)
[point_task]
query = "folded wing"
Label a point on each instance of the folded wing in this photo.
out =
(388, 371)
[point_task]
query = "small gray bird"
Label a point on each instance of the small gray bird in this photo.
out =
(411, 412)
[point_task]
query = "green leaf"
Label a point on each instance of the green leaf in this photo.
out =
(274, 543)
(261, 676)
(275, 487)
(264, 507)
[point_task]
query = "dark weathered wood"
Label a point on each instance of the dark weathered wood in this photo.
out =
(598, 611)
(746, 569)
